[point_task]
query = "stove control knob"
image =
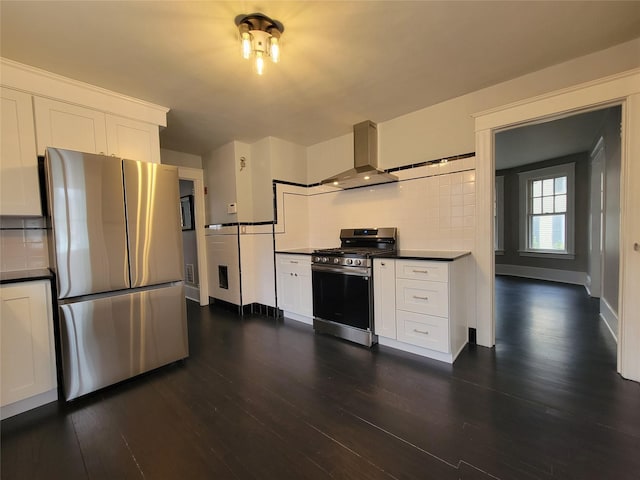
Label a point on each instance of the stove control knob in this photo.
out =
(358, 262)
(325, 259)
(316, 259)
(349, 261)
(336, 260)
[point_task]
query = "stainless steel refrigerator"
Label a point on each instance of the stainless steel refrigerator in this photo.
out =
(116, 251)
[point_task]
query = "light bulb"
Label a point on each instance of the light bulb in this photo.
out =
(246, 45)
(259, 62)
(275, 50)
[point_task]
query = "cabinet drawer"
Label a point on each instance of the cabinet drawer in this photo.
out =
(294, 264)
(423, 330)
(416, 270)
(431, 298)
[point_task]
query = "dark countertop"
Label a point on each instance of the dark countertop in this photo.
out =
(443, 255)
(26, 275)
(298, 251)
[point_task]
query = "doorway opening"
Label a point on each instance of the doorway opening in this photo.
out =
(189, 241)
(557, 235)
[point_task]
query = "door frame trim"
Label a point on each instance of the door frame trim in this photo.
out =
(196, 175)
(621, 89)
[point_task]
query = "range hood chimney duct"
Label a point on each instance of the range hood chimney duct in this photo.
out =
(365, 171)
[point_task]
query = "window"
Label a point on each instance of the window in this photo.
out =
(546, 207)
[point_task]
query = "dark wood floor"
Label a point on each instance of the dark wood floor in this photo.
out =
(268, 399)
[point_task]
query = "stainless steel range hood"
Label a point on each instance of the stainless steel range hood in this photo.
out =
(365, 171)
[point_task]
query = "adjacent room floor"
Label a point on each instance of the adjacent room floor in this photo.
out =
(267, 399)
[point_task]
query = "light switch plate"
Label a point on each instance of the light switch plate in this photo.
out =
(231, 208)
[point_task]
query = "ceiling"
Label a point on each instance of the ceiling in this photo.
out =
(547, 140)
(342, 61)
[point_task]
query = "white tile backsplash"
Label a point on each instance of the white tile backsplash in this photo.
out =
(433, 207)
(20, 248)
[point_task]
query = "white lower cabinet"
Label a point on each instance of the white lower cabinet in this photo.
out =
(295, 299)
(27, 341)
(422, 311)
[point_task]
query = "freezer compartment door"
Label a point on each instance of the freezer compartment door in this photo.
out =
(153, 220)
(86, 203)
(113, 338)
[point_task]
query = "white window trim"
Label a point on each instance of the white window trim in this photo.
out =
(499, 214)
(524, 178)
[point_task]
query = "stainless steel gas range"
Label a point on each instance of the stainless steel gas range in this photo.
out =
(343, 283)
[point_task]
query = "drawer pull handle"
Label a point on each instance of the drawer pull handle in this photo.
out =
(424, 332)
(293, 261)
(426, 272)
(420, 298)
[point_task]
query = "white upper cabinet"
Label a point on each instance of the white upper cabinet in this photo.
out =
(132, 139)
(63, 125)
(19, 190)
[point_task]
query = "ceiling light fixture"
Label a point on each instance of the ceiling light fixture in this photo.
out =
(259, 35)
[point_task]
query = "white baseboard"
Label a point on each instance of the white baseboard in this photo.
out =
(297, 317)
(28, 403)
(549, 274)
(609, 317)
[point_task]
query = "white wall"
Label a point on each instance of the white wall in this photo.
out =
(180, 159)
(256, 263)
(219, 179)
(328, 158)
(448, 128)
(222, 249)
(260, 171)
(288, 161)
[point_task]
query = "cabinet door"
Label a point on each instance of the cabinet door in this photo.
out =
(294, 284)
(384, 297)
(132, 139)
(19, 188)
(305, 291)
(26, 338)
(287, 291)
(63, 125)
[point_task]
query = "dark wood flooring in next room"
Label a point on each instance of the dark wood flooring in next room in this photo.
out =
(262, 399)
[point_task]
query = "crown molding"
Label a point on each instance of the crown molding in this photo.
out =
(43, 83)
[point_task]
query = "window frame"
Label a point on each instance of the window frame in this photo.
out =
(525, 180)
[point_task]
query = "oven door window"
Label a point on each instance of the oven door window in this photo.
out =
(342, 298)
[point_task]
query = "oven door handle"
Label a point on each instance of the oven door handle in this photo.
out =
(356, 271)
